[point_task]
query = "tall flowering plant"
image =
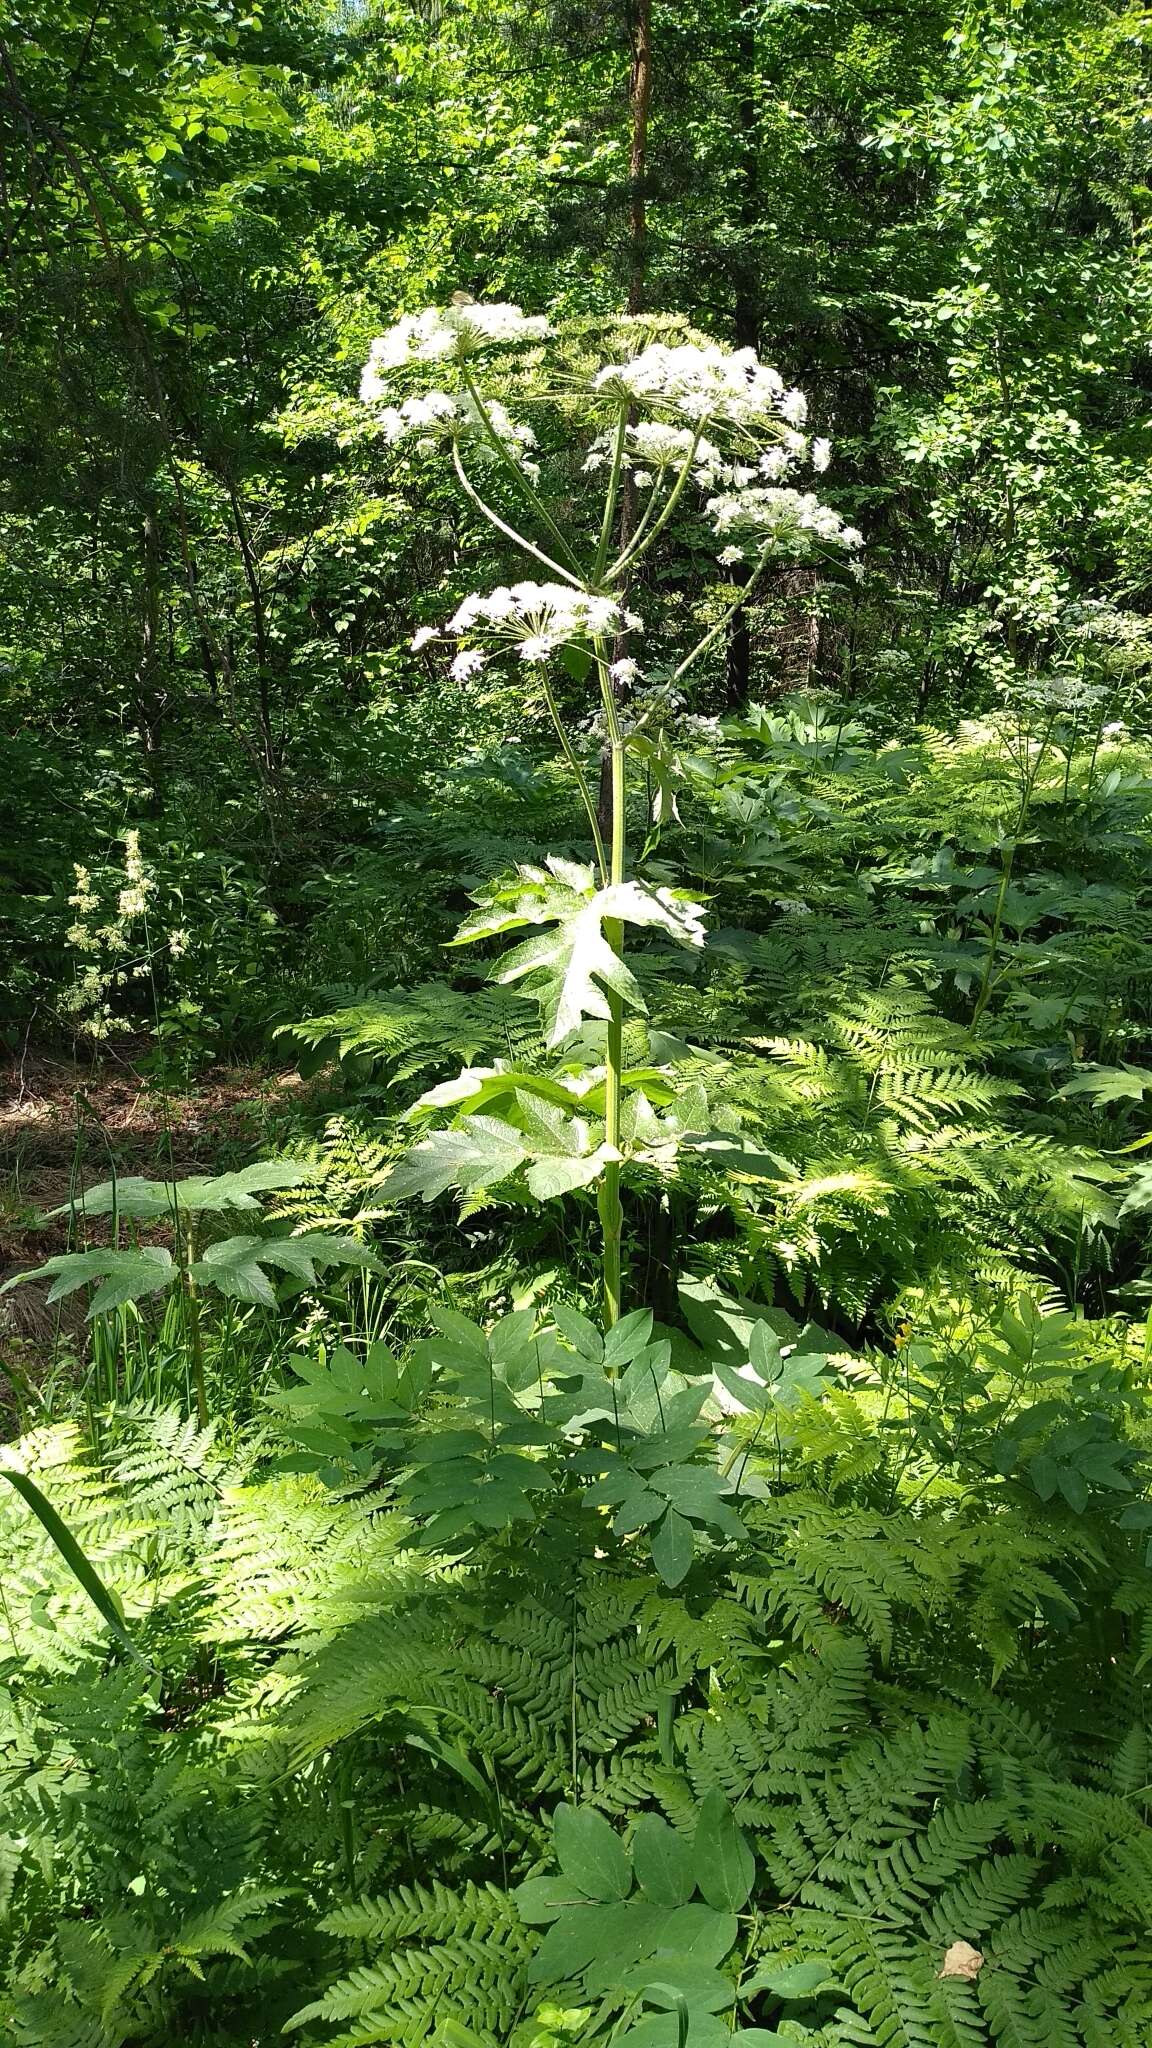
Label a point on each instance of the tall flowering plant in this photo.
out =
(654, 421)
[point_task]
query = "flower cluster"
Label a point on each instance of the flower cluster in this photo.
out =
(704, 383)
(535, 618)
(1062, 696)
(438, 416)
(445, 334)
(743, 472)
(658, 447)
(779, 520)
(1094, 618)
(107, 935)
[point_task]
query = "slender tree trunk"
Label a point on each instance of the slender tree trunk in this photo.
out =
(639, 108)
(746, 315)
(639, 103)
(149, 695)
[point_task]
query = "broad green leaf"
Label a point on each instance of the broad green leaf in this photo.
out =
(723, 1325)
(672, 1547)
(662, 1862)
(573, 1942)
(124, 1275)
(721, 1857)
(664, 2030)
(698, 1491)
(478, 1153)
(700, 1932)
(668, 1979)
(746, 1393)
(1109, 1084)
(144, 1200)
(590, 1853)
(575, 965)
(549, 1177)
(627, 1337)
(235, 1266)
(540, 1899)
(576, 971)
(791, 1980)
(583, 1336)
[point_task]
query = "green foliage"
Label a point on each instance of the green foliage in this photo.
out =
(233, 1266)
(388, 1651)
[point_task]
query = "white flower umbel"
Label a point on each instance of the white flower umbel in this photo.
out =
(701, 382)
(438, 416)
(782, 520)
(445, 334)
(539, 618)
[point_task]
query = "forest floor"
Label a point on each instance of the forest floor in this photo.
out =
(65, 1122)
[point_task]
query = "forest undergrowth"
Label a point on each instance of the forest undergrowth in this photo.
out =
(576, 1294)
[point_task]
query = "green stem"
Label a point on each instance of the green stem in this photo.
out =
(743, 595)
(611, 496)
(519, 478)
(578, 772)
(1031, 777)
(609, 1203)
(502, 526)
(192, 1316)
(636, 547)
(994, 936)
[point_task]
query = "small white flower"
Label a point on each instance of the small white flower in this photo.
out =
(728, 557)
(538, 648)
(177, 943)
(422, 636)
(624, 671)
(468, 662)
(643, 479)
(632, 622)
(821, 454)
(793, 407)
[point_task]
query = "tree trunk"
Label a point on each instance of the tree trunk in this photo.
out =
(639, 106)
(746, 317)
(150, 696)
(639, 103)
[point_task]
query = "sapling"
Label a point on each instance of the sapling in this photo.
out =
(690, 425)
